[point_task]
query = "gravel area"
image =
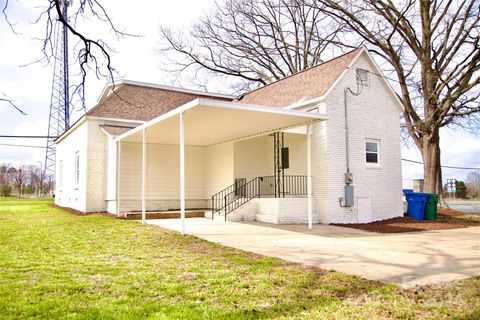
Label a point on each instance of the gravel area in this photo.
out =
(446, 219)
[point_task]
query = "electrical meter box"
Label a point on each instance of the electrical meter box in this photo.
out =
(349, 196)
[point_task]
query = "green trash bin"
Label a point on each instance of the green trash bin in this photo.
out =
(431, 207)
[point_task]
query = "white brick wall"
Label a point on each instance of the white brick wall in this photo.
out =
(67, 193)
(372, 114)
(273, 210)
(96, 168)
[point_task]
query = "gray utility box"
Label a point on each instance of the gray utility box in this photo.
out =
(349, 196)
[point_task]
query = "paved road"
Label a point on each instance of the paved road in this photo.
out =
(408, 259)
(472, 207)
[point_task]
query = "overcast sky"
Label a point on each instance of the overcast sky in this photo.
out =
(135, 59)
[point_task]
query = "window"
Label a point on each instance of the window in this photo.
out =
(372, 151)
(77, 167)
(363, 77)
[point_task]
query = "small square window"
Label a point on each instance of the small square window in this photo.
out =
(363, 77)
(372, 151)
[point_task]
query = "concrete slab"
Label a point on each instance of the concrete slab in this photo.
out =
(406, 259)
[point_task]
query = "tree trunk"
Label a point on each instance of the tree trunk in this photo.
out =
(431, 163)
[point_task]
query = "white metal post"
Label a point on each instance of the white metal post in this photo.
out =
(182, 173)
(144, 171)
(309, 177)
(119, 155)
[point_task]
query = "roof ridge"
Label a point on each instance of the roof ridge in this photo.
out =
(174, 89)
(299, 72)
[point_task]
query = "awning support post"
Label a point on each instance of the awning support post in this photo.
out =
(309, 177)
(144, 171)
(119, 155)
(182, 173)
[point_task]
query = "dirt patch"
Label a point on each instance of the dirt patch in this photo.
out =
(71, 210)
(446, 219)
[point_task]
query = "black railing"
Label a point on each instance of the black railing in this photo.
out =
(241, 192)
(219, 200)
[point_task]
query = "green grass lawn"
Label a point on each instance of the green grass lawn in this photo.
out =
(55, 265)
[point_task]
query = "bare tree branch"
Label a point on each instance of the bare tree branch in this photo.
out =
(253, 42)
(90, 54)
(12, 104)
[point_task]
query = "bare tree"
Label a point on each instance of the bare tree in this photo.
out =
(37, 177)
(19, 180)
(4, 187)
(90, 53)
(473, 184)
(50, 186)
(433, 50)
(253, 41)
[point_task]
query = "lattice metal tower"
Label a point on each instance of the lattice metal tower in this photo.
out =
(59, 120)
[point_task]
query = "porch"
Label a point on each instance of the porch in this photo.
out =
(213, 155)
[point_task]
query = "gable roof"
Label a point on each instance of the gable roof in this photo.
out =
(138, 101)
(142, 102)
(308, 84)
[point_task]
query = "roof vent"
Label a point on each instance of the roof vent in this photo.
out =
(363, 77)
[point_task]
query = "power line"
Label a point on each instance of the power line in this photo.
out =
(21, 145)
(449, 167)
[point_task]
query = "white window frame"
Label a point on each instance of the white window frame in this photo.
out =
(377, 142)
(77, 168)
(360, 81)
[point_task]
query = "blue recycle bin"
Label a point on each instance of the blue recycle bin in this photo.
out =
(407, 191)
(416, 205)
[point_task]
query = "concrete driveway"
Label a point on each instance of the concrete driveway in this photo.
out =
(406, 259)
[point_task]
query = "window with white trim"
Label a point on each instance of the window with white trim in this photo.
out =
(77, 167)
(363, 77)
(372, 151)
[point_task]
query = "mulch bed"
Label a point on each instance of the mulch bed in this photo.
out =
(446, 219)
(80, 213)
(165, 215)
(135, 216)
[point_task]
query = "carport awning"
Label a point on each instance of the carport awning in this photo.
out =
(208, 122)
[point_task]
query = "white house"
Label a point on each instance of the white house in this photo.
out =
(321, 146)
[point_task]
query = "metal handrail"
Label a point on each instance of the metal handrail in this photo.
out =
(238, 194)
